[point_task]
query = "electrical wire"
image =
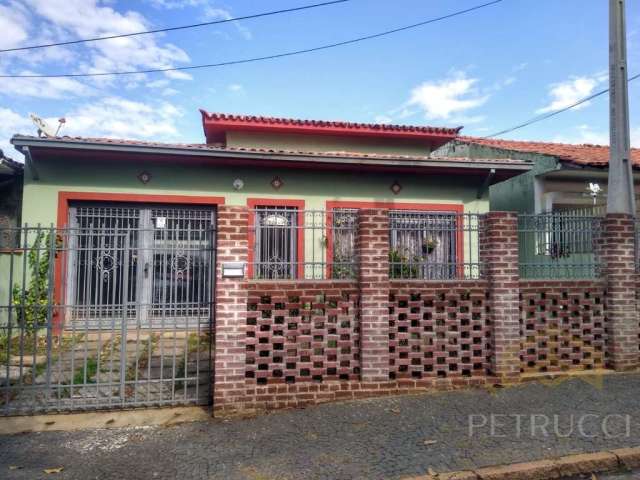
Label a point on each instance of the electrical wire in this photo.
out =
(172, 29)
(539, 118)
(258, 59)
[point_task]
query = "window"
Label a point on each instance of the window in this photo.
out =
(423, 245)
(144, 263)
(276, 242)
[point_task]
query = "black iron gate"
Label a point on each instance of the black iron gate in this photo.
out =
(114, 311)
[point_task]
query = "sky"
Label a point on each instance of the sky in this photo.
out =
(486, 70)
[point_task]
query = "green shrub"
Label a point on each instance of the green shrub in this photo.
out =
(31, 301)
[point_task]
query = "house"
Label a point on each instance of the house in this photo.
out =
(560, 197)
(280, 166)
(286, 262)
(558, 181)
(10, 198)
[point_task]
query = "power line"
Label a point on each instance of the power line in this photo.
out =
(539, 118)
(171, 29)
(267, 57)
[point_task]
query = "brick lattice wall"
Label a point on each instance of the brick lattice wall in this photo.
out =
(302, 332)
(439, 329)
(299, 342)
(563, 325)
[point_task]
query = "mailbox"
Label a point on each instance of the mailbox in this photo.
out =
(233, 270)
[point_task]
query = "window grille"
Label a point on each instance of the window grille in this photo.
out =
(561, 244)
(565, 232)
(276, 243)
(289, 243)
(433, 245)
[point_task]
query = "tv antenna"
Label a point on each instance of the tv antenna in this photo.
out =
(44, 129)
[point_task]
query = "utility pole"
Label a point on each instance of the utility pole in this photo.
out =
(621, 194)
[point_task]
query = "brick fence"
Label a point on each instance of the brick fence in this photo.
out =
(298, 342)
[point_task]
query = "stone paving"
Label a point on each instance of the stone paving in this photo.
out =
(387, 438)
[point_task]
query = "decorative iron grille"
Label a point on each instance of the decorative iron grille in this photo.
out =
(289, 243)
(434, 245)
(561, 244)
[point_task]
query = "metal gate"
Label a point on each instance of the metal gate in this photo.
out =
(115, 310)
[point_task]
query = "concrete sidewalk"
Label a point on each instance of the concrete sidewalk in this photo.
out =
(388, 438)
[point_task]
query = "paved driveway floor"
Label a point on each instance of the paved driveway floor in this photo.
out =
(387, 438)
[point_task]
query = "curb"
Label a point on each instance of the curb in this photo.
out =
(623, 458)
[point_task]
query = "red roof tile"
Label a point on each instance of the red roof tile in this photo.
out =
(579, 154)
(217, 123)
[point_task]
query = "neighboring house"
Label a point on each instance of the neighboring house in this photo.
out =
(280, 168)
(559, 240)
(558, 181)
(10, 199)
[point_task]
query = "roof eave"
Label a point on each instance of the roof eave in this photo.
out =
(19, 142)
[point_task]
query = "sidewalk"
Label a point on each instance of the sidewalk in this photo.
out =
(388, 438)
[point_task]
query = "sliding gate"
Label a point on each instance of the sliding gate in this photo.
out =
(115, 310)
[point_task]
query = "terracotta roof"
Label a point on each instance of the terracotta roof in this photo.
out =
(579, 154)
(10, 163)
(215, 124)
(254, 119)
(219, 148)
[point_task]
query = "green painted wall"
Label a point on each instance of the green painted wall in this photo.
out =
(328, 143)
(516, 194)
(315, 187)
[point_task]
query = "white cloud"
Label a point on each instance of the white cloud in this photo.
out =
(454, 95)
(210, 12)
(236, 88)
(213, 13)
(14, 25)
(564, 94)
(383, 119)
(178, 75)
(520, 67)
(635, 137)
(56, 20)
(121, 118)
(587, 134)
(161, 83)
(583, 134)
(11, 123)
(53, 88)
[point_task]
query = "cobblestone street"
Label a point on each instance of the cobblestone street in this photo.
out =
(388, 438)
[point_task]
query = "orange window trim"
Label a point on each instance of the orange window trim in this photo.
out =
(64, 198)
(252, 203)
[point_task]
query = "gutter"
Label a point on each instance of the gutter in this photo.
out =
(21, 143)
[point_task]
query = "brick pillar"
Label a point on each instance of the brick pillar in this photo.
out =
(372, 247)
(618, 252)
(231, 308)
(499, 253)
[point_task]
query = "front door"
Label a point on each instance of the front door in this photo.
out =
(146, 266)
